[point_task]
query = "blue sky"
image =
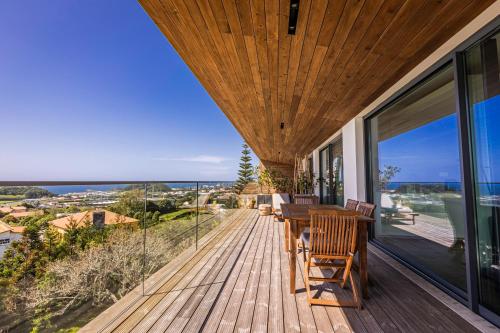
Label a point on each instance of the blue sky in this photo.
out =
(91, 90)
(425, 154)
(431, 153)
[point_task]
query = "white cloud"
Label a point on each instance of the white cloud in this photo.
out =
(197, 159)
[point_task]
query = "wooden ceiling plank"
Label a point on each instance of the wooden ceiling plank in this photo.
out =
(228, 52)
(392, 38)
(336, 58)
(316, 19)
(349, 17)
(386, 24)
(392, 70)
(294, 61)
(259, 23)
(359, 98)
(272, 31)
(444, 25)
(332, 17)
(238, 44)
(284, 41)
(341, 58)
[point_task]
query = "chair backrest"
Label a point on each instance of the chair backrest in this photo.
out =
(333, 232)
(279, 198)
(351, 204)
(306, 199)
(366, 209)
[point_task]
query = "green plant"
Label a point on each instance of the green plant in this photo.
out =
(305, 183)
(246, 172)
(386, 175)
(264, 179)
(272, 178)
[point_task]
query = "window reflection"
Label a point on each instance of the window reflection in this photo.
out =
(416, 180)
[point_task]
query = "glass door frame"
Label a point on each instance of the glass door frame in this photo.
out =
(469, 177)
(328, 148)
(471, 297)
(331, 193)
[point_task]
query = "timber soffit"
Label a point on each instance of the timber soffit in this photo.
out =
(285, 93)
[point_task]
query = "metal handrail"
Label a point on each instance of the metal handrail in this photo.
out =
(112, 182)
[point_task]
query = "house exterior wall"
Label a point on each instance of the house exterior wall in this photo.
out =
(6, 239)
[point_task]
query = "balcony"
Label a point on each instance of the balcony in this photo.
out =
(238, 280)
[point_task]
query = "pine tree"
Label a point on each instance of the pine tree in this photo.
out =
(245, 174)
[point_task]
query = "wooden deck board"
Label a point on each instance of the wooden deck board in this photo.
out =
(239, 282)
(230, 297)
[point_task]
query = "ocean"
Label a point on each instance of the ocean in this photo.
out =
(484, 188)
(85, 188)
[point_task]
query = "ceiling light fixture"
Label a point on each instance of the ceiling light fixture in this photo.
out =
(294, 14)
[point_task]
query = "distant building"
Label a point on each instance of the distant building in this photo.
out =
(18, 215)
(15, 209)
(8, 234)
(98, 217)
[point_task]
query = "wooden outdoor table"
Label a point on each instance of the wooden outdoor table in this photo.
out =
(297, 218)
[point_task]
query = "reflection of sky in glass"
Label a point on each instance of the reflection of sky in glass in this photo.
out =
(426, 154)
(487, 140)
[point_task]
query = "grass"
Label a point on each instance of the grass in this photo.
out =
(10, 198)
(176, 215)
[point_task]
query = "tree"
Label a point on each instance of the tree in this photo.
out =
(246, 172)
(386, 175)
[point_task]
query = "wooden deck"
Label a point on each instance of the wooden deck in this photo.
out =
(238, 281)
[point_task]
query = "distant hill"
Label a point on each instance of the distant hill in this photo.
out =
(151, 187)
(29, 192)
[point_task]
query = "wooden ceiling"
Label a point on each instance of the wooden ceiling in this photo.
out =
(345, 53)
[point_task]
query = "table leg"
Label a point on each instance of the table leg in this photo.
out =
(293, 254)
(287, 235)
(363, 259)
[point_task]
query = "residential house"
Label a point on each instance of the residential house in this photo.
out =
(9, 234)
(97, 217)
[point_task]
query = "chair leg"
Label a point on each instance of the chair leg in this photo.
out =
(287, 235)
(355, 292)
(304, 251)
(347, 271)
(306, 282)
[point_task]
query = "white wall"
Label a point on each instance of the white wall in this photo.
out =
(3, 247)
(315, 155)
(354, 160)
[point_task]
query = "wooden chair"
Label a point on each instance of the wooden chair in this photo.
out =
(366, 209)
(351, 204)
(332, 243)
(306, 199)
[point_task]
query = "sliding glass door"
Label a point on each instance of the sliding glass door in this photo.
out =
(332, 174)
(416, 180)
(482, 76)
(434, 170)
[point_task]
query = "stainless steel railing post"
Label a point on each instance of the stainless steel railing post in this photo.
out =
(144, 236)
(197, 211)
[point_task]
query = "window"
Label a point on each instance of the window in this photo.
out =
(332, 174)
(416, 180)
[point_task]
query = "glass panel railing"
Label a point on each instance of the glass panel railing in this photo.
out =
(68, 252)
